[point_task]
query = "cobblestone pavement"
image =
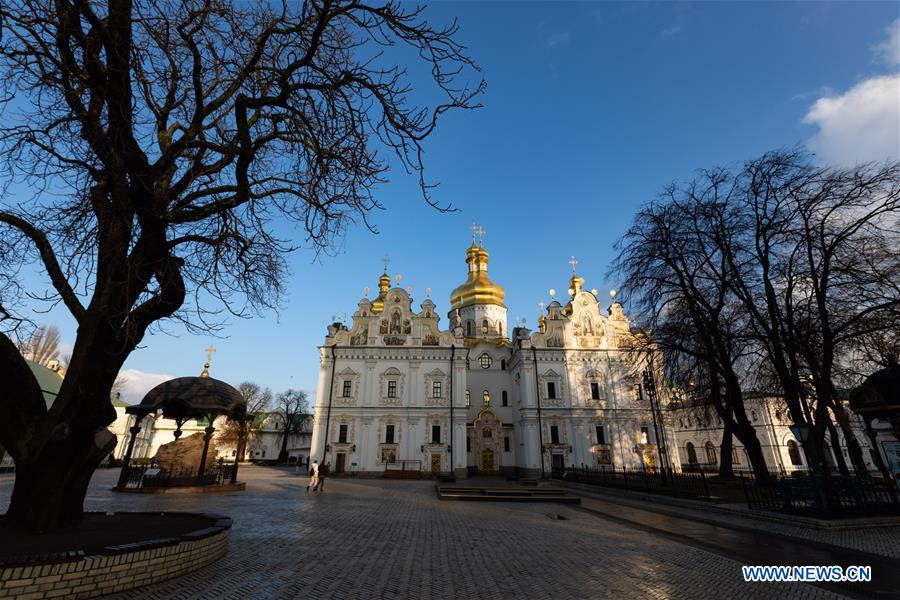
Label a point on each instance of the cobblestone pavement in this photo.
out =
(395, 539)
(884, 541)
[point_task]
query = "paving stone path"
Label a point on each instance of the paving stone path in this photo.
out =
(395, 539)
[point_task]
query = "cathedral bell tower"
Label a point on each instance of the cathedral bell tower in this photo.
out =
(477, 305)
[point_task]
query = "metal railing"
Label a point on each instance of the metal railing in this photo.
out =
(823, 496)
(669, 483)
(150, 476)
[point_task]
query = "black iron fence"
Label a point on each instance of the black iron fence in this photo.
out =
(669, 483)
(144, 476)
(823, 496)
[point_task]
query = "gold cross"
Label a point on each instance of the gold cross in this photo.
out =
(209, 352)
(474, 228)
(480, 231)
(573, 262)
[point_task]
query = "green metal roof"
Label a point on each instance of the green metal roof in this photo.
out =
(48, 379)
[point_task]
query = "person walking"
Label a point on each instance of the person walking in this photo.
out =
(314, 480)
(324, 471)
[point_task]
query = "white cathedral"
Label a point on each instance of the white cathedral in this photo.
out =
(398, 393)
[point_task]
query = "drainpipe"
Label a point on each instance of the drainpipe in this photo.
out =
(328, 413)
(537, 389)
(452, 427)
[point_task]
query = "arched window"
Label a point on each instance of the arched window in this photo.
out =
(484, 326)
(710, 453)
(753, 416)
(469, 328)
(502, 364)
(504, 398)
(794, 453)
(500, 328)
(486, 398)
(778, 415)
(692, 453)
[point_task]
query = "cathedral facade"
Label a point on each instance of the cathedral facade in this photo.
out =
(396, 392)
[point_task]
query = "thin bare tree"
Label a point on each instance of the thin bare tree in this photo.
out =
(291, 409)
(164, 145)
(42, 346)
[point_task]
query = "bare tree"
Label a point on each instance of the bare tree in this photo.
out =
(240, 432)
(781, 263)
(814, 269)
(162, 141)
(42, 346)
(679, 281)
(291, 407)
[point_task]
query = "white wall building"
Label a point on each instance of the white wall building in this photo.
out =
(698, 436)
(394, 386)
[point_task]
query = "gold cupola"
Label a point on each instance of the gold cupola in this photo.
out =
(384, 284)
(478, 288)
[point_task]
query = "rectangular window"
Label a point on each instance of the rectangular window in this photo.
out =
(468, 444)
(468, 398)
(506, 444)
(436, 389)
(554, 434)
(348, 387)
(601, 435)
(435, 434)
(595, 390)
(342, 435)
(389, 434)
(504, 399)
(645, 435)
(551, 390)
(392, 389)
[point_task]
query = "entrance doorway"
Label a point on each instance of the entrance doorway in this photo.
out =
(557, 462)
(487, 460)
(341, 463)
(435, 463)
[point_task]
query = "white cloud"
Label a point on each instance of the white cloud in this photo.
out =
(137, 383)
(670, 31)
(888, 51)
(561, 38)
(862, 124)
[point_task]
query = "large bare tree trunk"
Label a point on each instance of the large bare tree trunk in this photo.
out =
(853, 447)
(49, 491)
(57, 450)
(726, 469)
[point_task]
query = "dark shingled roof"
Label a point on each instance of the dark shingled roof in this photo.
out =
(190, 397)
(879, 393)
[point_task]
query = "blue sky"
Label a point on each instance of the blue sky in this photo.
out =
(591, 109)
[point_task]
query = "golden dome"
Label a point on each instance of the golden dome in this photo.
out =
(384, 284)
(478, 288)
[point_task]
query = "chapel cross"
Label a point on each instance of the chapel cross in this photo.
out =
(386, 259)
(474, 228)
(480, 232)
(209, 352)
(573, 262)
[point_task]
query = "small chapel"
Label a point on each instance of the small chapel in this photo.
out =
(398, 392)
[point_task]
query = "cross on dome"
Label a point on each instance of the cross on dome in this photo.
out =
(573, 262)
(209, 350)
(477, 230)
(386, 259)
